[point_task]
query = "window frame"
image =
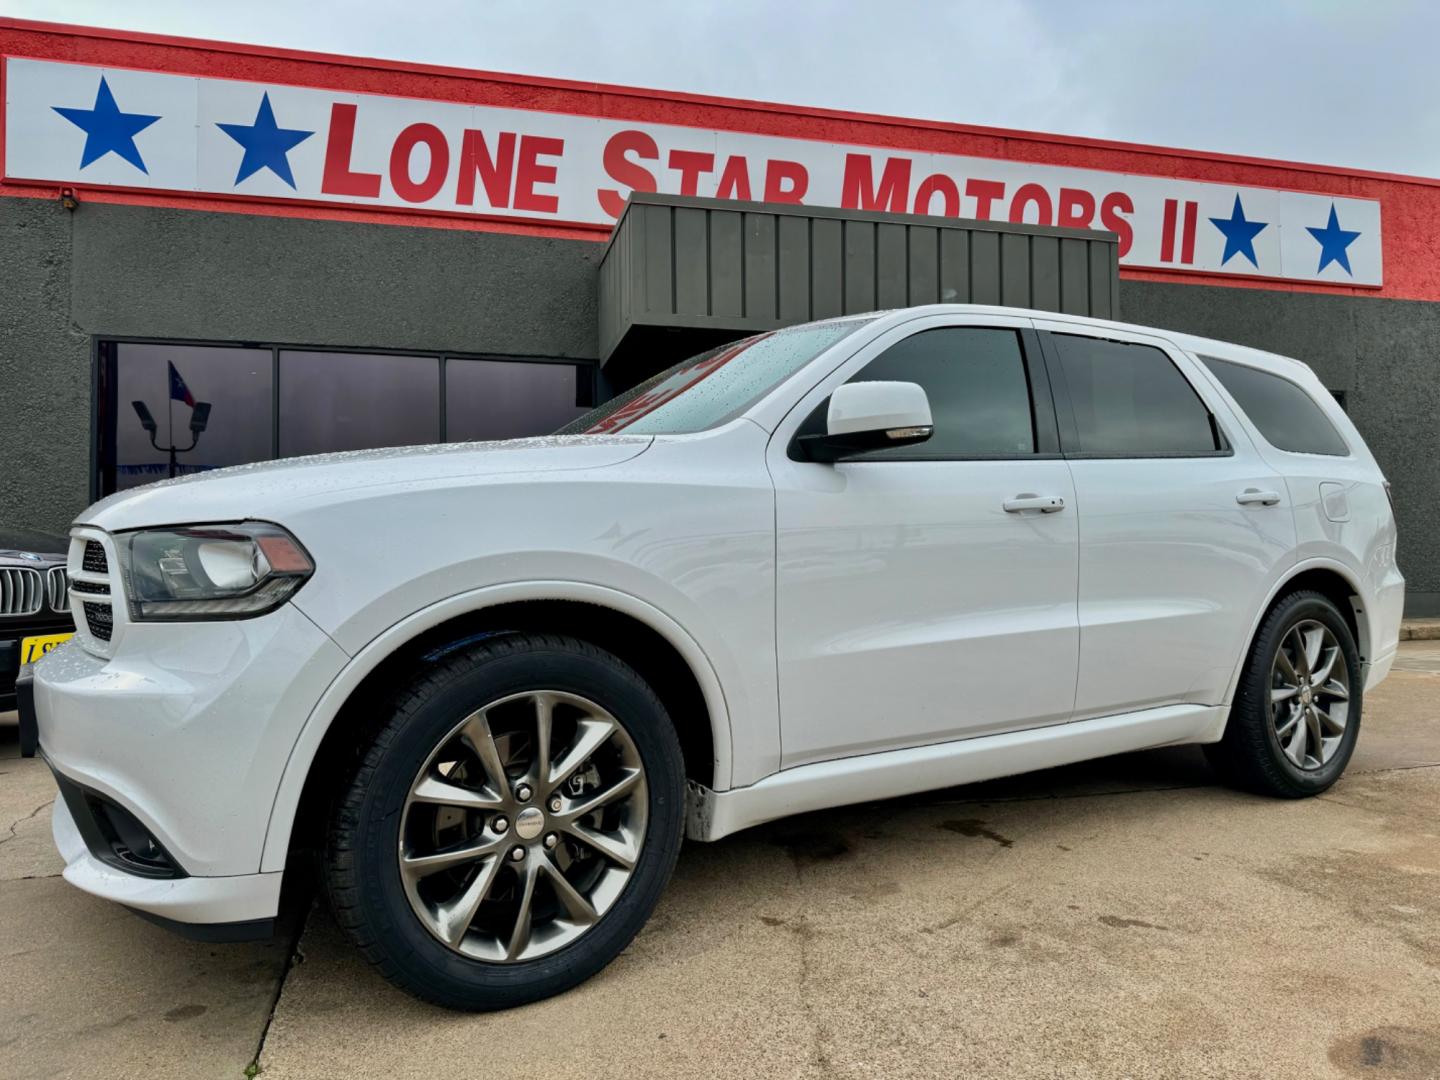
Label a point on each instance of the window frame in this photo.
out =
(103, 398)
(1043, 420)
(1071, 448)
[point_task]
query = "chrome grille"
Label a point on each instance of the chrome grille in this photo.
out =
(21, 591)
(94, 561)
(57, 586)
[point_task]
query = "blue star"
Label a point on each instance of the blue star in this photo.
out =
(108, 129)
(1333, 241)
(1239, 234)
(266, 145)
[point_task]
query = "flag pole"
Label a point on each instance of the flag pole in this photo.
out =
(170, 401)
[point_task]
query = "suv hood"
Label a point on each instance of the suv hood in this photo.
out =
(265, 490)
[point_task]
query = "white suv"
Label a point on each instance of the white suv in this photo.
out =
(495, 683)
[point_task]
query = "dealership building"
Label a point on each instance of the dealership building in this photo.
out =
(335, 253)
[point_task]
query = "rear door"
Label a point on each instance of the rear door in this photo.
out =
(1183, 524)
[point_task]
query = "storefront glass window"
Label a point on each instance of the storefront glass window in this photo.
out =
(269, 401)
(354, 401)
(168, 380)
(505, 399)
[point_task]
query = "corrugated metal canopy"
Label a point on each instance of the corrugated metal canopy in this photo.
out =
(681, 273)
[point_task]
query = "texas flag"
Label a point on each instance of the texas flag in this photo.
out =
(178, 390)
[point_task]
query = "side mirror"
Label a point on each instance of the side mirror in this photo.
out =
(870, 416)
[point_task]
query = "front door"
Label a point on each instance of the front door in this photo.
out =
(928, 593)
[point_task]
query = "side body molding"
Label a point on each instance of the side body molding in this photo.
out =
(307, 744)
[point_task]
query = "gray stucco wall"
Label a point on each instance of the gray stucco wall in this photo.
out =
(1385, 355)
(133, 271)
(146, 272)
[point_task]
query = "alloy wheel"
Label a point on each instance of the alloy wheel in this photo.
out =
(1309, 694)
(523, 826)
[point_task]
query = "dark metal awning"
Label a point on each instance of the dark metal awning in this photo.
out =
(681, 273)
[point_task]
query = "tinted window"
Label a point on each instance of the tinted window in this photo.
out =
(355, 401)
(327, 401)
(506, 399)
(1285, 414)
(714, 387)
(237, 383)
(979, 395)
(1131, 401)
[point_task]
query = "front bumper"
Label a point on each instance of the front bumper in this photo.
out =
(247, 901)
(186, 727)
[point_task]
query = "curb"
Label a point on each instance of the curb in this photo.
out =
(1420, 630)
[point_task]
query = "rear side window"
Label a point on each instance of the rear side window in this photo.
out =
(1132, 401)
(1285, 414)
(979, 394)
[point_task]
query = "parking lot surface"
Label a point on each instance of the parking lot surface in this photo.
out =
(1126, 917)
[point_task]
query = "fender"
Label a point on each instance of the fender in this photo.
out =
(1351, 579)
(307, 744)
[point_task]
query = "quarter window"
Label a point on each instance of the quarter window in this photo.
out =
(979, 394)
(1285, 414)
(1131, 401)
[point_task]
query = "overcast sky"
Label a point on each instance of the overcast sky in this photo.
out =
(1343, 82)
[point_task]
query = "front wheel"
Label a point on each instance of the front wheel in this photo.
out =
(1296, 716)
(513, 824)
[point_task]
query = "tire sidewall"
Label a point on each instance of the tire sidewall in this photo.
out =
(1292, 610)
(448, 975)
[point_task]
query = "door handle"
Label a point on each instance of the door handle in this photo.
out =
(1046, 504)
(1256, 497)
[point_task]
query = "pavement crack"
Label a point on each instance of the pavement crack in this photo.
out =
(960, 914)
(16, 824)
(295, 956)
(1397, 768)
(819, 1050)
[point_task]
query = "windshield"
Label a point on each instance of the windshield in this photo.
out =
(714, 387)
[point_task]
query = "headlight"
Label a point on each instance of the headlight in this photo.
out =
(211, 571)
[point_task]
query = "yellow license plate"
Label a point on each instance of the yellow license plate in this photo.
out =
(32, 648)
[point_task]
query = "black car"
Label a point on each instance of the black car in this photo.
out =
(34, 601)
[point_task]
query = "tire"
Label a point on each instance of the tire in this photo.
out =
(387, 834)
(1252, 754)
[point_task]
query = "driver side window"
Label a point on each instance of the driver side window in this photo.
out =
(979, 393)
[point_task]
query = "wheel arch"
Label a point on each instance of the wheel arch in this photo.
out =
(650, 641)
(1331, 579)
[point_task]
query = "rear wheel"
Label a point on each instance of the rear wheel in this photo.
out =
(1296, 715)
(512, 826)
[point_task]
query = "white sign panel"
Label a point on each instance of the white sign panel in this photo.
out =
(75, 124)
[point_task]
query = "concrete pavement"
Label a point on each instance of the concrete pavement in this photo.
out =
(89, 990)
(1121, 918)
